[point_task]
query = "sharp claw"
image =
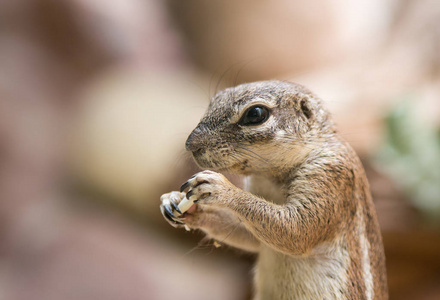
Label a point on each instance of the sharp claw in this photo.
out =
(176, 207)
(172, 220)
(166, 213)
(184, 186)
(189, 194)
(169, 212)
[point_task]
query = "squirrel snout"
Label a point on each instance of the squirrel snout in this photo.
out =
(193, 141)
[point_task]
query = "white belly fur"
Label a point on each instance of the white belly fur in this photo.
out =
(321, 275)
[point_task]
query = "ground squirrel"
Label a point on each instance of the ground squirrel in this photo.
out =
(307, 209)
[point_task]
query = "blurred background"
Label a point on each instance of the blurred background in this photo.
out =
(97, 98)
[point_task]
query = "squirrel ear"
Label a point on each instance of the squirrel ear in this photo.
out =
(305, 110)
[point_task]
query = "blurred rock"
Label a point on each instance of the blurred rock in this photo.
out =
(263, 39)
(130, 136)
(363, 88)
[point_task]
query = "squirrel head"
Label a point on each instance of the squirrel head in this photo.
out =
(266, 126)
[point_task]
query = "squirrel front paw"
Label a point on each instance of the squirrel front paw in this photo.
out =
(170, 209)
(208, 187)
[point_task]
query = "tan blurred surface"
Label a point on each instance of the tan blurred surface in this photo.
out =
(131, 129)
(96, 101)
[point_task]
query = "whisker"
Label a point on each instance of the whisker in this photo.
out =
(202, 244)
(310, 141)
(245, 64)
(223, 77)
(231, 232)
(254, 155)
(236, 157)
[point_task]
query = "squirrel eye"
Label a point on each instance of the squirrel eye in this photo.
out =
(255, 115)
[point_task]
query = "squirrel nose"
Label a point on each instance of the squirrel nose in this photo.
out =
(193, 141)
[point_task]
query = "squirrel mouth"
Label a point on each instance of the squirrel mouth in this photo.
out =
(208, 164)
(215, 161)
(204, 161)
(201, 159)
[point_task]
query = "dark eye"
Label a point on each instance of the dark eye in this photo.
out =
(255, 115)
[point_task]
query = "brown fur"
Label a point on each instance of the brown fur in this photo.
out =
(308, 211)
